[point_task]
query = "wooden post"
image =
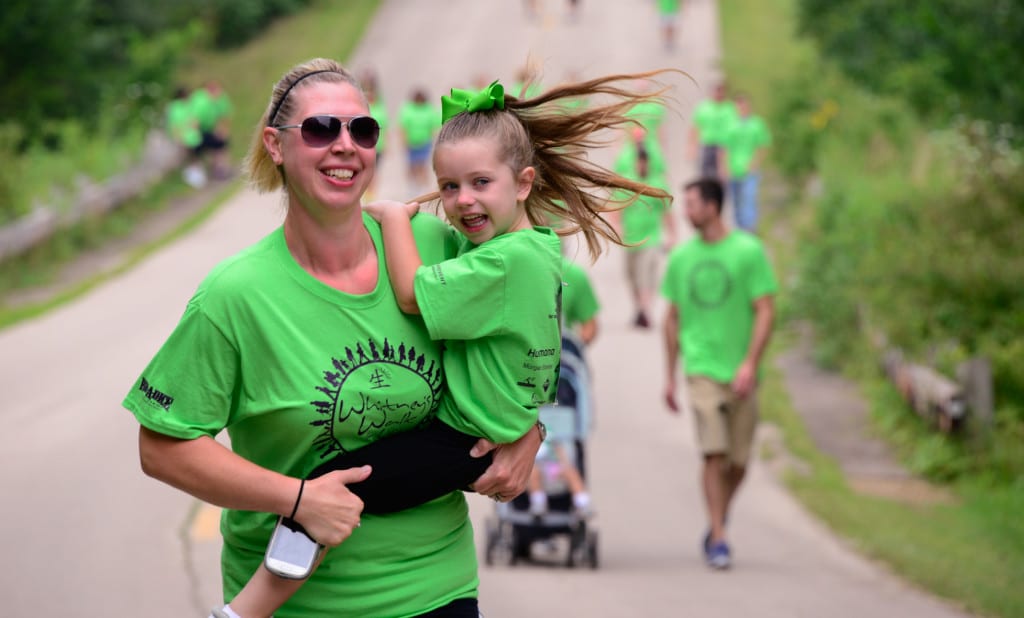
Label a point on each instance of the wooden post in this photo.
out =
(976, 378)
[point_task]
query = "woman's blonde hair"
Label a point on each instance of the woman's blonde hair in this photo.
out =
(264, 175)
(550, 134)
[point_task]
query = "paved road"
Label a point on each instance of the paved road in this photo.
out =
(87, 535)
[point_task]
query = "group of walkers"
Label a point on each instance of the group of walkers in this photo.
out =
(199, 121)
(408, 363)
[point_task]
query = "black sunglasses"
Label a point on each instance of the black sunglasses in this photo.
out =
(320, 131)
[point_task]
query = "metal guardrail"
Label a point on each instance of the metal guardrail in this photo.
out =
(160, 156)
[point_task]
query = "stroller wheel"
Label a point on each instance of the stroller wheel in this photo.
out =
(592, 550)
(577, 545)
(501, 543)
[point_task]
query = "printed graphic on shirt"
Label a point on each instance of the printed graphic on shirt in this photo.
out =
(373, 390)
(155, 395)
(709, 284)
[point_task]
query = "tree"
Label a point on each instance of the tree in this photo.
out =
(945, 57)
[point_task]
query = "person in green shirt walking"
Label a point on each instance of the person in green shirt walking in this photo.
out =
(418, 123)
(647, 227)
(496, 304)
(743, 148)
(712, 120)
(212, 107)
(720, 288)
(182, 126)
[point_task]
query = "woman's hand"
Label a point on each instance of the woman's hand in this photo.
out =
(507, 476)
(378, 208)
(328, 510)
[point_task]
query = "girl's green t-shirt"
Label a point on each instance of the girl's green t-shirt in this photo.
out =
(714, 286)
(497, 307)
(297, 371)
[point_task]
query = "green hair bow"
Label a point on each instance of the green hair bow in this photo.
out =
(491, 97)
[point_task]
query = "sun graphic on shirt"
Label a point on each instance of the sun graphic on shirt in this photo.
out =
(371, 390)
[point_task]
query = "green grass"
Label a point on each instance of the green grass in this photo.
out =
(970, 550)
(327, 28)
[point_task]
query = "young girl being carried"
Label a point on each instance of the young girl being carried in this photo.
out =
(504, 168)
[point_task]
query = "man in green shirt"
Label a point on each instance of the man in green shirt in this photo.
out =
(720, 287)
(711, 122)
(743, 148)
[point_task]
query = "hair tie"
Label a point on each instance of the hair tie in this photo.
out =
(491, 97)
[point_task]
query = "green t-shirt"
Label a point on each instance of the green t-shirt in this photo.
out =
(650, 114)
(419, 121)
(668, 7)
(379, 112)
(742, 141)
(642, 221)
(297, 371)
(209, 110)
(496, 305)
(625, 161)
(713, 120)
(579, 303)
(714, 286)
(182, 123)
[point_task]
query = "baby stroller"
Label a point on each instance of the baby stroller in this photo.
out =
(513, 530)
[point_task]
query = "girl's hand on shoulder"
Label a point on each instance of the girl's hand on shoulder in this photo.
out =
(380, 208)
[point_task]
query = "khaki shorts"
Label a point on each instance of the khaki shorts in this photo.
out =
(725, 423)
(642, 268)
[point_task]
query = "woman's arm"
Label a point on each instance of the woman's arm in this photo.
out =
(213, 473)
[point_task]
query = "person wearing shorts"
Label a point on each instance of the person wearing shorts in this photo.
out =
(646, 226)
(720, 288)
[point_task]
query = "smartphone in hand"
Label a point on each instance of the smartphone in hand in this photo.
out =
(292, 554)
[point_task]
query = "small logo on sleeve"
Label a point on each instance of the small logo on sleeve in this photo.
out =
(158, 397)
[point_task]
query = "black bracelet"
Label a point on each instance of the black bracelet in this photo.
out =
(295, 509)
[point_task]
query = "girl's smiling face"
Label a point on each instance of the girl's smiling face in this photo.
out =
(482, 196)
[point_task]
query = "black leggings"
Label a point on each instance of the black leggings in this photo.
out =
(459, 608)
(411, 467)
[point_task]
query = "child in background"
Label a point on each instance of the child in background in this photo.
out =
(418, 121)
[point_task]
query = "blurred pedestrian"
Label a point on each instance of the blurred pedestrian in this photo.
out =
(744, 147)
(647, 227)
(668, 15)
(712, 120)
(212, 107)
(419, 121)
(720, 287)
(183, 127)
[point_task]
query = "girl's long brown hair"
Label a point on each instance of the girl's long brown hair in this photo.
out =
(551, 134)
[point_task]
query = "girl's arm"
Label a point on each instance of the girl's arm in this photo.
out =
(400, 252)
